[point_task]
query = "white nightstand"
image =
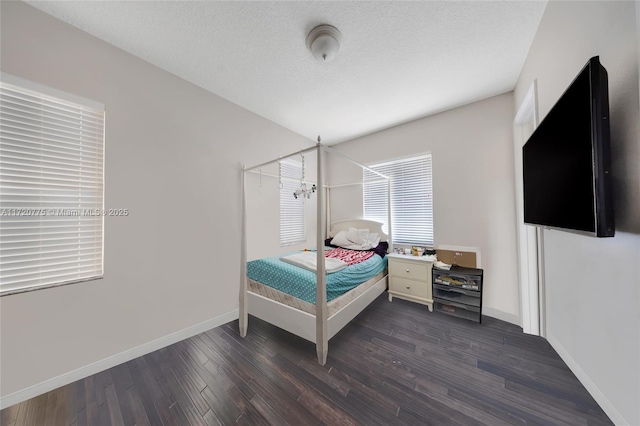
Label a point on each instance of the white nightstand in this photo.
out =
(410, 278)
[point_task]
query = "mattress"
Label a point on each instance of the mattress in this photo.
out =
(332, 307)
(301, 283)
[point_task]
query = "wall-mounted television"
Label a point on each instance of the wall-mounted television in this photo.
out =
(567, 160)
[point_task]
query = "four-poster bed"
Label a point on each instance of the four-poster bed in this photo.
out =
(319, 321)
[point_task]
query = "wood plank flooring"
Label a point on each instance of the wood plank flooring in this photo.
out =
(396, 363)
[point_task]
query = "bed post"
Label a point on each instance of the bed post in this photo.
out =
(242, 306)
(322, 341)
(327, 204)
(389, 215)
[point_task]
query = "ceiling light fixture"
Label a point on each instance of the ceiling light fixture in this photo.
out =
(324, 42)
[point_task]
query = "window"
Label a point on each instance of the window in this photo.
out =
(411, 199)
(51, 187)
(292, 218)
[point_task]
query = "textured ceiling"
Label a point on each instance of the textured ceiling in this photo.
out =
(399, 60)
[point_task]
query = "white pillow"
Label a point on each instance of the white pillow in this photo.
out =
(358, 236)
(345, 239)
(373, 239)
(364, 234)
(341, 239)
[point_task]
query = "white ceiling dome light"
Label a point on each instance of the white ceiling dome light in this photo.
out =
(324, 42)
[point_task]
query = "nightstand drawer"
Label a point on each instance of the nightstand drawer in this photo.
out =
(409, 287)
(409, 270)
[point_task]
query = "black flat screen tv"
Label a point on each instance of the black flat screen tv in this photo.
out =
(567, 160)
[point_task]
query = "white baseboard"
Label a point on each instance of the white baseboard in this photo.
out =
(112, 361)
(591, 387)
(504, 316)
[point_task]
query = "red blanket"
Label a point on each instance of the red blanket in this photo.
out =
(351, 257)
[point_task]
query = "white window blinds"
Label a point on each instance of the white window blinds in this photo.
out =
(292, 219)
(51, 190)
(411, 199)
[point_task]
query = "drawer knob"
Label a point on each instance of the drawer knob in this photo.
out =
(408, 287)
(407, 271)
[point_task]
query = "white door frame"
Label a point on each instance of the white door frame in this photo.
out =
(529, 237)
(638, 34)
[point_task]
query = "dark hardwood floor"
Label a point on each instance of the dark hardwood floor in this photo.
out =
(396, 363)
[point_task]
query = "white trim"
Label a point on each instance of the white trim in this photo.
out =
(638, 35)
(501, 315)
(475, 250)
(529, 252)
(586, 381)
(542, 292)
(528, 110)
(49, 91)
(112, 361)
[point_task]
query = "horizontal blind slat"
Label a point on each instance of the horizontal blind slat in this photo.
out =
(24, 133)
(72, 250)
(50, 163)
(54, 143)
(14, 112)
(54, 247)
(28, 152)
(20, 97)
(57, 147)
(17, 177)
(41, 124)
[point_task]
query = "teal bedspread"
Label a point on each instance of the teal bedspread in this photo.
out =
(301, 283)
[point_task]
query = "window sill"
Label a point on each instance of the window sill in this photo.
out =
(46, 286)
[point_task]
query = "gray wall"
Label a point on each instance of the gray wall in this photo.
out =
(173, 155)
(593, 285)
(473, 186)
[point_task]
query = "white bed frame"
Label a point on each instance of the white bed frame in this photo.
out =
(318, 328)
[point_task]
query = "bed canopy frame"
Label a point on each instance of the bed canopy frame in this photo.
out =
(323, 330)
